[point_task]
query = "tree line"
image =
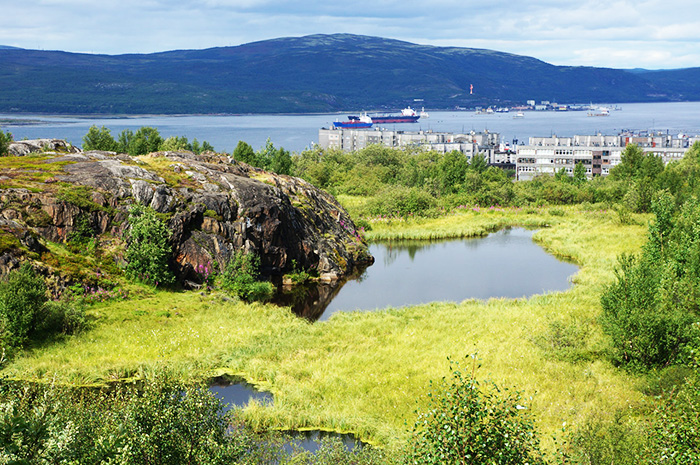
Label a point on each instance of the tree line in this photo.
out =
(145, 140)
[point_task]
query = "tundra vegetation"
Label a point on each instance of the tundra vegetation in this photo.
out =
(606, 372)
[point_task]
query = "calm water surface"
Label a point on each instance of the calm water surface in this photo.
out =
(296, 132)
(238, 394)
(504, 264)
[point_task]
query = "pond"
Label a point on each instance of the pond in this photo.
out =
(503, 264)
(234, 392)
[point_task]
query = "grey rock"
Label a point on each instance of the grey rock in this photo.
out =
(215, 207)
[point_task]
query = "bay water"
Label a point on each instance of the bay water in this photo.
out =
(297, 132)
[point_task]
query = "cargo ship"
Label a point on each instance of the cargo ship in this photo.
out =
(355, 122)
(408, 115)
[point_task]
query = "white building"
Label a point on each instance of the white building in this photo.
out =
(353, 139)
(598, 153)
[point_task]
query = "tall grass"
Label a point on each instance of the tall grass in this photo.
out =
(367, 372)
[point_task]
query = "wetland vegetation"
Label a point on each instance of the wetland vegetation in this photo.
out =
(570, 391)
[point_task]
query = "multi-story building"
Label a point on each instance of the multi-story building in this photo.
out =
(598, 153)
(471, 143)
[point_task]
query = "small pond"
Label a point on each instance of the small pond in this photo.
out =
(311, 440)
(237, 393)
(503, 264)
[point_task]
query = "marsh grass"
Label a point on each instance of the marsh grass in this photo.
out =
(368, 372)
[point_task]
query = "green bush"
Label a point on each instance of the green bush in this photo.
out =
(676, 436)
(240, 278)
(401, 201)
(158, 422)
(26, 311)
(5, 141)
(22, 297)
(651, 310)
(148, 249)
(466, 422)
(616, 440)
(61, 317)
(99, 139)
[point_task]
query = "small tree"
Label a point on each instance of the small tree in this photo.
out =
(580, 174)
(244, 153)
(466, 423)
(452, 169)
(145, 140)
(281, 162)
(148, 251)
(99, 139)
(175, 144)
(125, 138)
(478, 163)
(5, 141)
(22, 297)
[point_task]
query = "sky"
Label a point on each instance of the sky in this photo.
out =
(652, 34)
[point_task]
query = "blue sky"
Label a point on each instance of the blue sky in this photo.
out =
(651, 34)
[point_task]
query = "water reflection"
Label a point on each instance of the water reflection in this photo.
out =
(235, 392)
(504, 264)
(311, 440)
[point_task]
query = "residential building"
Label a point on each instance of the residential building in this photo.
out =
(471, 143)
(598, 153)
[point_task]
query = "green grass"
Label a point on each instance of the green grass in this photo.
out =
(31, 172)
(367, 372)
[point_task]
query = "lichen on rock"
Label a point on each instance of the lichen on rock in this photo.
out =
(212, 204)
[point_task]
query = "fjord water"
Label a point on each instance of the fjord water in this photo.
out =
(503, 264)
(296, 132)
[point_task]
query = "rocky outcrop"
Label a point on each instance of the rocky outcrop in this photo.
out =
(25, 147)
(213, 205)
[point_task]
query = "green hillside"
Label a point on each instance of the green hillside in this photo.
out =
(317, 73)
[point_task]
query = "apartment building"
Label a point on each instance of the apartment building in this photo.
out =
(471, 143)
(598, 153)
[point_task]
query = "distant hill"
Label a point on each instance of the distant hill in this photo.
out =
(317, 73)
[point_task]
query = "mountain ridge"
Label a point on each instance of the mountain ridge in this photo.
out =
(314, 73)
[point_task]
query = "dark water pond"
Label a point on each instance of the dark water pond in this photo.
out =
(237, 393)
(311, 440)
(503, 264)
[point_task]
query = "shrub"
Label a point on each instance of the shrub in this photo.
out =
(403, 201)
(22, 297)
(99, 139)
(5, 141)
(676, 436)
(468, 423)
(556, 212)
(158, 422)
(617, 440)
(240, 278)
(651, 311)
(61, 317)
(148, 248)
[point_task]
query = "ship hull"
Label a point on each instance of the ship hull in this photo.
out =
(351, 124)
(394, 119)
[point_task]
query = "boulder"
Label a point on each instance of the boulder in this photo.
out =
(25, 147)
(213, 205)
